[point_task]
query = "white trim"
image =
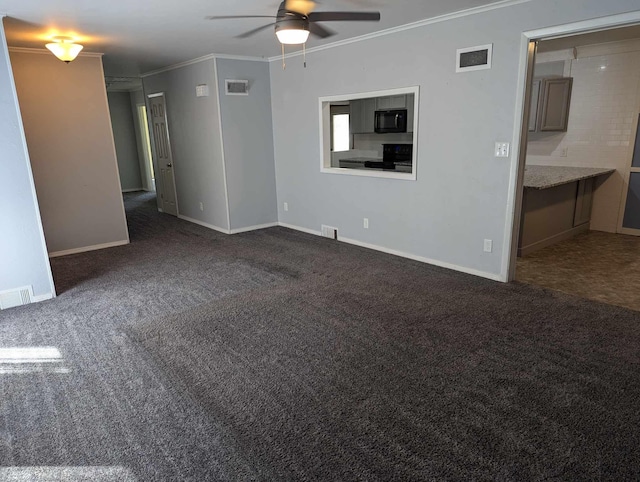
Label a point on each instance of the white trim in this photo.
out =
(402, 176)
(223, 158)
(135, 189)
(44, 297)
(23, 138)
(487, 66)
(324, 111)
(298, 228)
(204, 58)
(402, 254)
(514, 194)
(408, 26)
(252, 228)
(31, 50)
(422, 259)
(202, 223)
(153, 96)
(84, 249)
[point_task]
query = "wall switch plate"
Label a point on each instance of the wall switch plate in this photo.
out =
(365, 223)
(201, 206)
(488, 245)
(502, 149)
(286, 206)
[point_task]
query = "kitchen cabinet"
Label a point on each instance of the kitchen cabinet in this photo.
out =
(362, 116)
(550, 101)
(391, 102)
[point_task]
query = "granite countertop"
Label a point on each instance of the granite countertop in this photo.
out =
(362, 159)
(544, 177)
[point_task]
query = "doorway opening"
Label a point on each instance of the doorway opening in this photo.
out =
(577, 202)
(149, 174)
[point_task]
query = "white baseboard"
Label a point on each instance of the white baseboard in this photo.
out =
(202, 223)
(133, 190)
(395, 252)
(253, 228)
(298, 228)
(44, 297)
(84, 249)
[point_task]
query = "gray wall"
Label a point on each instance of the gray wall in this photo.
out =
(66, 122)
(194, 132)
(124, 135)
(137, 98)
(460, 196)
(23, 253)
(248, 144)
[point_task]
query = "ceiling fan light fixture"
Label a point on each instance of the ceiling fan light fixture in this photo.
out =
(292, 36)
(64, 48)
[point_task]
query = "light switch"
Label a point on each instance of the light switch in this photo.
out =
(202, 90)
(502, 149)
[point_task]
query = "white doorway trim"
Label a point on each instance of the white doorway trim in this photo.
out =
(514, 198)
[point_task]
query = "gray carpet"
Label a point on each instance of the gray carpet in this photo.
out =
(276, 355)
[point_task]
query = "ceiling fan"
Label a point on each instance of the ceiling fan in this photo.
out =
(296, 19)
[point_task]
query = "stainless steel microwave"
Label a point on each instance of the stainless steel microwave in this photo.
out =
(391, 121)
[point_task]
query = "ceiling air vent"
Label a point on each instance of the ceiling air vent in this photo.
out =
(474, 58)
(237, 87)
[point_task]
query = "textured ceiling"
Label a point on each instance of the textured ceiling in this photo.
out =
(138, 36)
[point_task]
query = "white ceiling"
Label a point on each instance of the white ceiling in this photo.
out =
(138, 36)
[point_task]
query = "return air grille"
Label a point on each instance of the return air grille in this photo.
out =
(329, 232)
(17, 297)
(237, 87)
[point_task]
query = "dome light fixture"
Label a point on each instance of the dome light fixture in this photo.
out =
(64, 48)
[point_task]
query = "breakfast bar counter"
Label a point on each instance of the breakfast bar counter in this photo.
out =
(556, 204)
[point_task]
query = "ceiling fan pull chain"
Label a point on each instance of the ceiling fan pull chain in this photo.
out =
(284, 65)
(304, 54)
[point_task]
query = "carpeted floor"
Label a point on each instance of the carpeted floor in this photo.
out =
(276, 355)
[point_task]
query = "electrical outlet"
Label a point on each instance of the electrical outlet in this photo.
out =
(502, 149)
(488, 245)
(365, 223)
(201, 206)
(564, 151)
(286, 206)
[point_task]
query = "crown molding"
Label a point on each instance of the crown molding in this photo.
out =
(408, 26)
(30, 50)
(203, 59)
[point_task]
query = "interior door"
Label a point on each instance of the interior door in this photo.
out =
(630, 207)
(162, 151)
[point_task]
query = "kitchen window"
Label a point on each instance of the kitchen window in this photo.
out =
(370, 134)
(340, 134)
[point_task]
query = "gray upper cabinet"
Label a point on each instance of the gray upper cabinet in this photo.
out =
(362, 116)
(391, 102)
(553, 104)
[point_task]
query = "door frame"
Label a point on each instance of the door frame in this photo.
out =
(153, 148)
(520, 133)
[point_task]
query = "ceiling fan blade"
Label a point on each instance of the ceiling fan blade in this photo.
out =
(305, 7)
(320, 31)
(344, 16)
(254, 31)
(224, 17)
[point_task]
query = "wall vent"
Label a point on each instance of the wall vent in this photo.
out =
(236, 87)
(474, 58)
(329, 232)
(16, 297)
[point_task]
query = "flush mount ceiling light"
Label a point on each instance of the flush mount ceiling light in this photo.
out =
(64, 48)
